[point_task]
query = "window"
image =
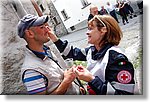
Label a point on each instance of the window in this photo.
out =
(42, 8)
(55, 21)
(84, 3)
(63, 12)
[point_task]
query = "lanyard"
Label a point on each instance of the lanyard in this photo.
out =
(49, 55)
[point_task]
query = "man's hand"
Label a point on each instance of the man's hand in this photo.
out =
(69, 75)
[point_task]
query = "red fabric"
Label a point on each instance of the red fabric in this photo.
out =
(90, 90)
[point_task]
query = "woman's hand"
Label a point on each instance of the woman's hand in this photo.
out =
(51, 34)
(83, 74)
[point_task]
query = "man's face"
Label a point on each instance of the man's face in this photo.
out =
(94, 11)
(40, 33)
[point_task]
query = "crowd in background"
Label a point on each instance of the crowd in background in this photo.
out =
(122, 8)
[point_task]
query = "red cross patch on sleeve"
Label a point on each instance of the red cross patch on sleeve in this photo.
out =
(124, 77)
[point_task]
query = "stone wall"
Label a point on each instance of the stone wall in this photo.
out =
(11, 48)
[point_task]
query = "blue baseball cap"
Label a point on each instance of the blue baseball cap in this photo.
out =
(29, 21)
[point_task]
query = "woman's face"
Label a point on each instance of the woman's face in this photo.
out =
(93, 34)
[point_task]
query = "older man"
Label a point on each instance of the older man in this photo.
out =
(93, 11)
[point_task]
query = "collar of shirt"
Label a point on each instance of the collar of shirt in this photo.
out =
(96, 55)
(41, 55)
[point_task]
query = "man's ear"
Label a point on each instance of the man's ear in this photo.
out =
(29, 33)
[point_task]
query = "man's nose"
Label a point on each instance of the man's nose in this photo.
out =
(47, 28)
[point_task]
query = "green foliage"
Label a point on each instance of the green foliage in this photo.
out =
(138, 62)
(83, 63)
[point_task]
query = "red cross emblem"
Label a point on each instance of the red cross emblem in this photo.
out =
(124, 77)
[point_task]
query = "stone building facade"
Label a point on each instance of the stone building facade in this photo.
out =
(58, 25)
(12, 47)
(55, 21)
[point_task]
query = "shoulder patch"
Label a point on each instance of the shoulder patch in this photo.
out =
(124, 77)
(116, 57)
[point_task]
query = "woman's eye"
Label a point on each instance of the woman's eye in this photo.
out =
(89, 28)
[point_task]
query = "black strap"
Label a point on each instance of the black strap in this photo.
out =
(80, 85)
(48, 53)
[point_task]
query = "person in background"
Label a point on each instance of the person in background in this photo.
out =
(108, 69)
(128, 9)
(140, 6)
(122, 12)
(112, 11)
(93, 11)
(40, 72)
(103, 11)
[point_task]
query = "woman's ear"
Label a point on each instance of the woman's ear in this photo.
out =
(104, 29)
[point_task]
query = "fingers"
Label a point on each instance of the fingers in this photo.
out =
(49, 28)
(51, 34)
(80, 68)
(69, 74)
(77, 69)
(74, 66)
(76, 73)
(70, 71)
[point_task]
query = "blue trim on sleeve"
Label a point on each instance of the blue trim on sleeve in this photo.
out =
(37, 91)
(32, 78)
